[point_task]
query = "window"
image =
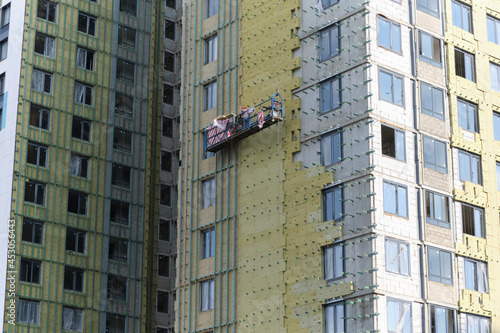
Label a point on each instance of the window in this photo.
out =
(442, 320)
(432, 101)
(30, 271)
(39, 117)
(170, 30)
(477, 324)
(122, 140)
(83, 93)
(163, 265)
(476, 276)
(125, 70)
(437, 209)
(498, 176)
(473, 220)
(397, 257)
(465, 65)
(169, 330)
(495, 76)
(37, 154)
(329, 42)
(330, 95)
(470, 167)
(85, 58)
(3, 48)
(45, 45)
(210, 49)
(124, 105)
(391, 88)
(119, 212)
(435, 155)
(118, 249)
(79, 165)
(72, 319)
(86, 24)
(493, 25)
(170, 4)
(207, 243)
(398, 316)
(32, 231)
(120, 175)
(169, 61)
(166, 229)
(333, 262)
(211, 8)
(440, 269)
(75, 240)
(129, 7)
(28, 310)
(115, 323)
(393, 143)
(467, 116)
(126, 36)
(389, 34)
(162, 302)
(73, 278)
(333, 207)
(430, 7)
(331, 148)
(461, 16)
(167, 127)
(77, 202)
(207, 293)
(334, 315)
(208, 193)
(166, 161)
(5, 15)
(34, 192)
(168, 94)
(209, 95)
(41, 81)
(117, 287)
(166, 195)
(395, 199)
(429, 48)
(46, 10)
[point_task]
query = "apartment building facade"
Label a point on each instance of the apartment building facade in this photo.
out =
(373, 206)
(88, 141)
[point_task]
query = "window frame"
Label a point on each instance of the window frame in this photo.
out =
(119, 175)
(431, 112)
(43, 113)
(210, 93)
(459, 22)
(169, 68)
(82, 170)
(74, 310)
(124, 105)
(121, 255)
(439, 149)
(5, 16)
(430, 60)
(330, 322)
(495, 79)
(164, 128)
(31, 236)
(481, 288)
(167, 266)
(425, 7)
(439, 278)
(30, 271)
(30, 303)
(123, 140)
(124, 40)
(470, 157)
(89, 58)
(41, 151)
(211, 48)
(326, 36)
(211, 191)
(166, 161)
(46, 50)
(328, 144)
(117, 281)
(129, 7)
(167, 188)
(462, 71)
(168, 94)
(169, 24)
(85, 134)
(90, 19)
(80, 239)
(430, 209)
(400, 267)
(477, 213)
(336, 191)
(82, 202)
(47, 81)
(122, 206)
(331, 255)
(123, 68)
(209, 304)
(207, 243)
(469, 317)
(395, 142)
(468, 114)
(115, 323)
(87, 93)
(38, 186)
(393, 77)
(74, 279)
(397, 198)
(402, 315)
(168, 228)
(496, 30)
(392, 26)
(447, 319)
(211, 8)
(166, 296)
(50, 6)
(329, 87)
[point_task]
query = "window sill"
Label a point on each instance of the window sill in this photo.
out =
(390, 50)
(445, 225)
(393, 158)
(399, 216)
(431, 62)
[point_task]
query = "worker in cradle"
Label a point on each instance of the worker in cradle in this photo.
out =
(245, 117)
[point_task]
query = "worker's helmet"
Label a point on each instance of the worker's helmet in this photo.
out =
(244, 108)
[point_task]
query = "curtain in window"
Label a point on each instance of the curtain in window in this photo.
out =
(326, 149)
(482, 277)
(75, 165)
(50, 47)
(79, 93)
(328, 262)
(81, 56)
(23, 311)
(6, 15)
(329, 319)
(470, 276)
(464, 164)
(403, 258)
(37, 79)
(68, 317)
(441, 320)
(404, 324)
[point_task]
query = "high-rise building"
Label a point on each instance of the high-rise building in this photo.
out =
(373, 206)
(88, 142)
